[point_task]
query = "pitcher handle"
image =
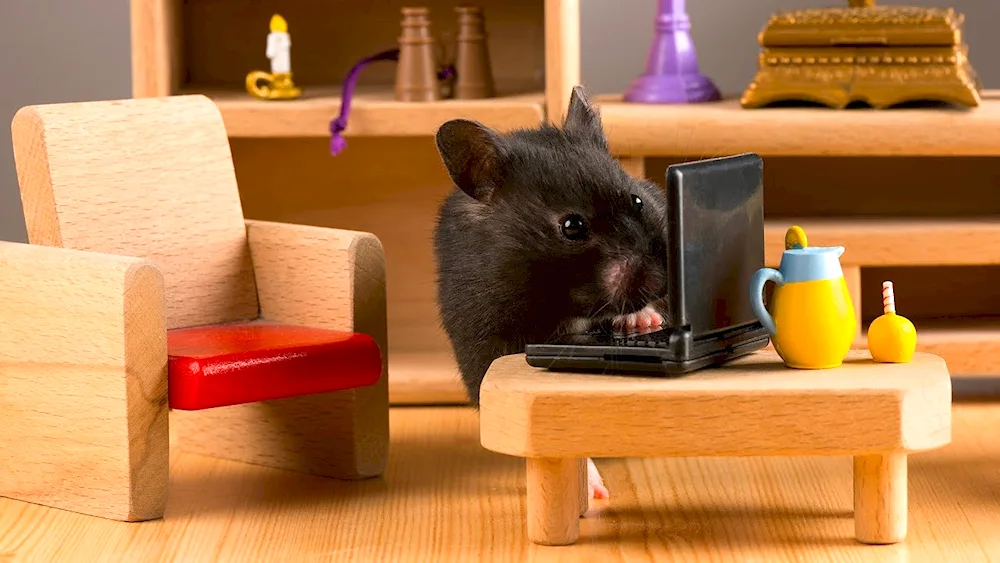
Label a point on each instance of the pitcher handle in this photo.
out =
(760, 277)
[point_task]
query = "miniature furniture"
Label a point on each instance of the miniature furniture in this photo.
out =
(144, 291)
(854, 178)
(531, 47)
(754, 406)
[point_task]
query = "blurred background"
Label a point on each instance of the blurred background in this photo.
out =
(67, 50)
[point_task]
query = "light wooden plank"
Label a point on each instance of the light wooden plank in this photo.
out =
(562, 55)
(156, 47)
(971, 347)
(895, 242)
(751, 406)
(722, 128)
(93, 176)
(430, 377)
(83, 382)
(447, 499)
(374, 113)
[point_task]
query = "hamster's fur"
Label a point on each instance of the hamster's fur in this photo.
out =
(544, 232)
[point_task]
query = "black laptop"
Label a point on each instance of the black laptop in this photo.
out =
(715, 235)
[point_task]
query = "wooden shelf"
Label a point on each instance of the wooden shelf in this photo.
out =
(895, 242)
(374, 113)
(424, 378)
(721, 128)
(971, 347)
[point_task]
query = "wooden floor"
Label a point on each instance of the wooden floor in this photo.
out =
(446, 499)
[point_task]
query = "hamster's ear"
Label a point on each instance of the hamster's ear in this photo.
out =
(583, 121)
(473, 155)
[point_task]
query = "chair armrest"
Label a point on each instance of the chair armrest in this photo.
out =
(320, 277)
(63, 306)
(83, 371)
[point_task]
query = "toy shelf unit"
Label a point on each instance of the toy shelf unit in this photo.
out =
(910, 194)
(209, 46)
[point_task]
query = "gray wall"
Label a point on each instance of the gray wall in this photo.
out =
(615, 37)
(81, 52)
(56, 51)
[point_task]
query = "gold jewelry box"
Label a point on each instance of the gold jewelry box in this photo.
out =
(880, 55)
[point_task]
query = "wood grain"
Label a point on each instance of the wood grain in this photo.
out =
(444, 498)
(880, 499)
(852, 276)
(722, 128)
(156, 47)
(131, 178)
(969, 346)
(553, 500)
(374, 113)
(83, 382)
(752, 406)
(323, 278)
(562, 56)
(894, 241)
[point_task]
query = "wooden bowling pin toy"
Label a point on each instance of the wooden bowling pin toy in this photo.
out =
(892, 338)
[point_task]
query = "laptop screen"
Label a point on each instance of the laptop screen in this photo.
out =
(716, 235)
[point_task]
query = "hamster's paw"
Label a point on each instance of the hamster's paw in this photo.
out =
(595, 484)
(646, 318)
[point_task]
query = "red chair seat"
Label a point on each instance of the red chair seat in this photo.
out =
(230, 364)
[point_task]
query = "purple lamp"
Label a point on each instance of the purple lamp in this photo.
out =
(672, 75)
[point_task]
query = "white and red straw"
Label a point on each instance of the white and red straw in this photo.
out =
(888, 301)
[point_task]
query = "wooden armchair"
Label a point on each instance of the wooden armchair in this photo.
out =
(143, 291)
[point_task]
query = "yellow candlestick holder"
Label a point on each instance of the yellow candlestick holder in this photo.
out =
(268, 86)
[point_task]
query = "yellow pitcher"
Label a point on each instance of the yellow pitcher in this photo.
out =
(811, 322)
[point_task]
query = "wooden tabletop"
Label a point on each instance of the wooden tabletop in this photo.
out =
(445, 499)
(752, 406)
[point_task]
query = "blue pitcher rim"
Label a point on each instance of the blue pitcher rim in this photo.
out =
(815, 250)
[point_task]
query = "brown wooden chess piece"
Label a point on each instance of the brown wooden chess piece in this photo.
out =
(416, 71)
(473, 72)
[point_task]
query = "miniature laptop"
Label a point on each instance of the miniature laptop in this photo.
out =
(715, 240)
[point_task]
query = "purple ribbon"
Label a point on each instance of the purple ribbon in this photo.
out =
(338, 125)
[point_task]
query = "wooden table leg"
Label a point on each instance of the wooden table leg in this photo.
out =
(584, 492)
(554, 500)
(880, 511)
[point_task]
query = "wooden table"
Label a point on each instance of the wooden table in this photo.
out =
(877, 413)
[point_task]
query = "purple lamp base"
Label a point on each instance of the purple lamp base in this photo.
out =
(672, 89)
(672, 75)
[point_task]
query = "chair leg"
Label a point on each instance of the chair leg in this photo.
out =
(344, 434)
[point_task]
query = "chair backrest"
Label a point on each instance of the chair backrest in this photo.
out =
(151, 178)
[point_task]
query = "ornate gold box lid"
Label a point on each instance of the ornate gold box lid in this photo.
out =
(863, 23)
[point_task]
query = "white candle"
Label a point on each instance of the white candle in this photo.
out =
(279, 45)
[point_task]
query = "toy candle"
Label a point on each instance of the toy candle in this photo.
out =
(279, 45)
(277, 84)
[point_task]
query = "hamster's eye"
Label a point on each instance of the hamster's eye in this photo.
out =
(637, 202)
(574, 227)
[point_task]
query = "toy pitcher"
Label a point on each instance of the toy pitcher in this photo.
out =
(811, 322)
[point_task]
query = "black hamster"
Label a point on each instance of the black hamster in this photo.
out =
(545, 232)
